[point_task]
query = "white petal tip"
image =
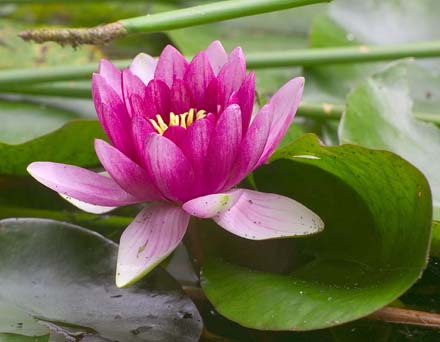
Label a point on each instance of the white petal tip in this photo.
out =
(87, 207)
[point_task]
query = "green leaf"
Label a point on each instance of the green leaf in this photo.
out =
(22, 122)
(63, 276)
(435, 243)
(361, 22)
(377, 213)
(379, 115)
(72, 143)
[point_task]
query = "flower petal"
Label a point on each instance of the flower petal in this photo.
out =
(210, 205)
(175, 134)
(210, 97)
(87, 207)
(81, 184)
(285, 102)
(171, 66)
(112, 75)
(157, 100)
(232, 75)
(195, 147)
(134, 91)
(129, 175)
(142, 128)
(217, 56)
(113, 115)
(169, 168)
(181, 98)
(198, 75)
(251, 147)
(150, 238)
(255, 215)
(223, 146)
(143, 66)
(246, 99)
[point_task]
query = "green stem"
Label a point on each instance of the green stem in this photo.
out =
(338, 55)
(203, 14)
(40, 2)
(317, 111)
(298, 57)
(171, 20)
(20, 77)
(324, 111)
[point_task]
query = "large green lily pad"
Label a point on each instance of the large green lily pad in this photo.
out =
(377, 213)
(379, 115)
(59, 278)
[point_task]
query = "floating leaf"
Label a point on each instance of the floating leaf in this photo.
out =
(377, 213)
(362, 22)
(72, 143)
(63, 276)
(378, 115)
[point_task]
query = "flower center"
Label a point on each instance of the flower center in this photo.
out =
(183, 120)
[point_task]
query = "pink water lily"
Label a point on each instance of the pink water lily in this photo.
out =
(182, 137)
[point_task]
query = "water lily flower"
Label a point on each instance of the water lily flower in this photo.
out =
(182, 137)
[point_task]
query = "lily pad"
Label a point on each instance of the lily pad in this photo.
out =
(377, 213)
(379, 115)
(361, 22)
(435, 244)
(72, 143)
(62, 276)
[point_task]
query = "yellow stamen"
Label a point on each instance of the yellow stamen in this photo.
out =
(184, 120)
(201, 114)
(190, 119)
(156, 126)
(161, 123)
(174, 119)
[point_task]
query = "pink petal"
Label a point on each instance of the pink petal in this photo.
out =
(149, 239)
(246, 99)
(195, 147)
(284, 103)
(223, 147)
(255, 215)
(143, 66)
(198, 75)
(171, 66)
(210, 97)
(134, 91)
(232, 75)
(142, 128)
(217, 56)
(169, 168)
(130, 176)
(251, 147)
(157, 100)
(112, 75)
(175, 134)
(113, 115)
(181, 98)
(80, 184)
(210, 205)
